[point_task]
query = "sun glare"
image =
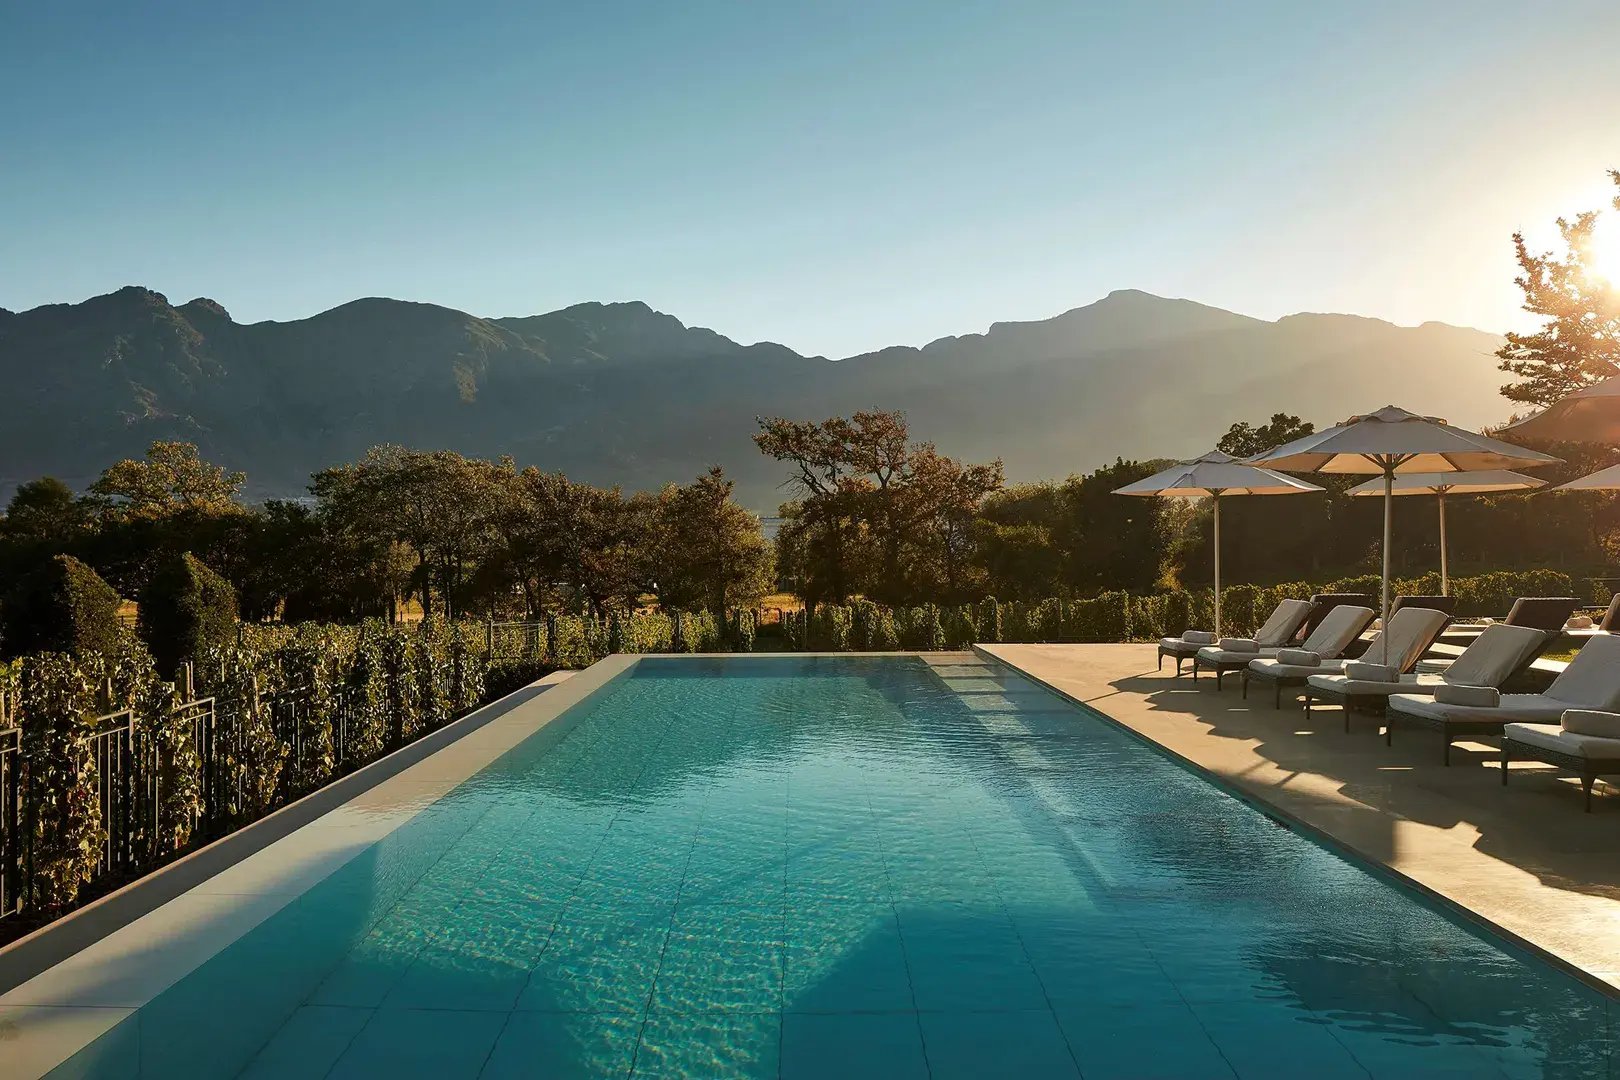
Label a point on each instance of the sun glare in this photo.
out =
(1605, 247)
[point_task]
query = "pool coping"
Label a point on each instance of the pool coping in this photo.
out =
(1317, 834)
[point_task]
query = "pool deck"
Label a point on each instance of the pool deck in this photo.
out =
(1524, 858)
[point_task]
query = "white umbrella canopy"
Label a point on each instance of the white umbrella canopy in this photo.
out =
(1602, 480)
(1589, 415)
(1216, 474)
(1392, 441)
(1450, 483)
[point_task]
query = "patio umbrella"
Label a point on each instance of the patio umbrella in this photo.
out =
(1591, 415)
(1443, 484)
(1216, 474)
(1392, 441)
(1602, 480)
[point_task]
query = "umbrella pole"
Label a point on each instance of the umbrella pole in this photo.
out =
(1217, 499)
(1389, 502)
(1445, 582)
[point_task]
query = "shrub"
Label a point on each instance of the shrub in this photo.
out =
(466, 673)
(745, 630)
(186, 610)
(989, 620)
(167, 759)
(401, 692)
(62, 823)
(368, 724)
(310, 704)
(433, 672)
(830, 629)
(1103, 618)
(248, 755)
(63, 606)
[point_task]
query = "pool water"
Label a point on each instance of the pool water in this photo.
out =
(846, 868)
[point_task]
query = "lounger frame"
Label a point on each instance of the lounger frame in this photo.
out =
(1588, 769)
(1450, 730)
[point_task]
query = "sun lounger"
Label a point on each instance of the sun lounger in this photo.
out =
(1325, 646)
(1545, 613)
(1584, 741)
(1493, 658)
(1591, 681)
(1326, 602)
(1223, 660)
(1610, 623)
(1281, 628)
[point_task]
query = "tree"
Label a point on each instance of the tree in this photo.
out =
(876, 513)
(440, 505)
(710, 551)
(172, 476)
(44, 511)
(1245, 440)
(1579, 341)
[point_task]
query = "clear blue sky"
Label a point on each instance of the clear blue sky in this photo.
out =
(834, 176)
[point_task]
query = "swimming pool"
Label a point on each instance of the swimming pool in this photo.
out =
(848, 867)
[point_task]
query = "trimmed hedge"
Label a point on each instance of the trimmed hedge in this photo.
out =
(186, 610)
(63, 606)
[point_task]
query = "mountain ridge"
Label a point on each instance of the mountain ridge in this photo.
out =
(619, 391)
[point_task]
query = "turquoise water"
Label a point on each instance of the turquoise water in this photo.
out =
(854, 868)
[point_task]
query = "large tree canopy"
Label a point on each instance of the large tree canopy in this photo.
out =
(1579, 340)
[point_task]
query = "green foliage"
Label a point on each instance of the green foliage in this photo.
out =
(248, 755)
(369, 725)
(166, 758)
(62, 817)
(989, 620)
(401, 690)
(310, 685)
(830, 629)
(467, 667)
(1578, 343)
(62, 606)
(433, 672)
(186, 610)
(1101, 619)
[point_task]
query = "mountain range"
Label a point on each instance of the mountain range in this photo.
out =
(621, 393)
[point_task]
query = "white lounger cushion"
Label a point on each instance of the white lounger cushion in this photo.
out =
(1283, 623)
(1411, 632)
(1273, 668)
(1211, 655)
(1514, 708)
(1365, 672)
(1197, 637)
(1344, 684)
(1179, 646)
(1334, 634)
(1554, 738)
(1592, 679)
(1604, 725)
(1484, 697)
(1497, 653)
(1238, 644)
(1299, 658)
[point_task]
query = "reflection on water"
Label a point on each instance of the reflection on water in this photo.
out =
(846, 868)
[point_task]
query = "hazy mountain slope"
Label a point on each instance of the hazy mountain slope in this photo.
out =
(620, 393)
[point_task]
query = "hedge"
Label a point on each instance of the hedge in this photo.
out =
(62, 606)
(186, 610)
